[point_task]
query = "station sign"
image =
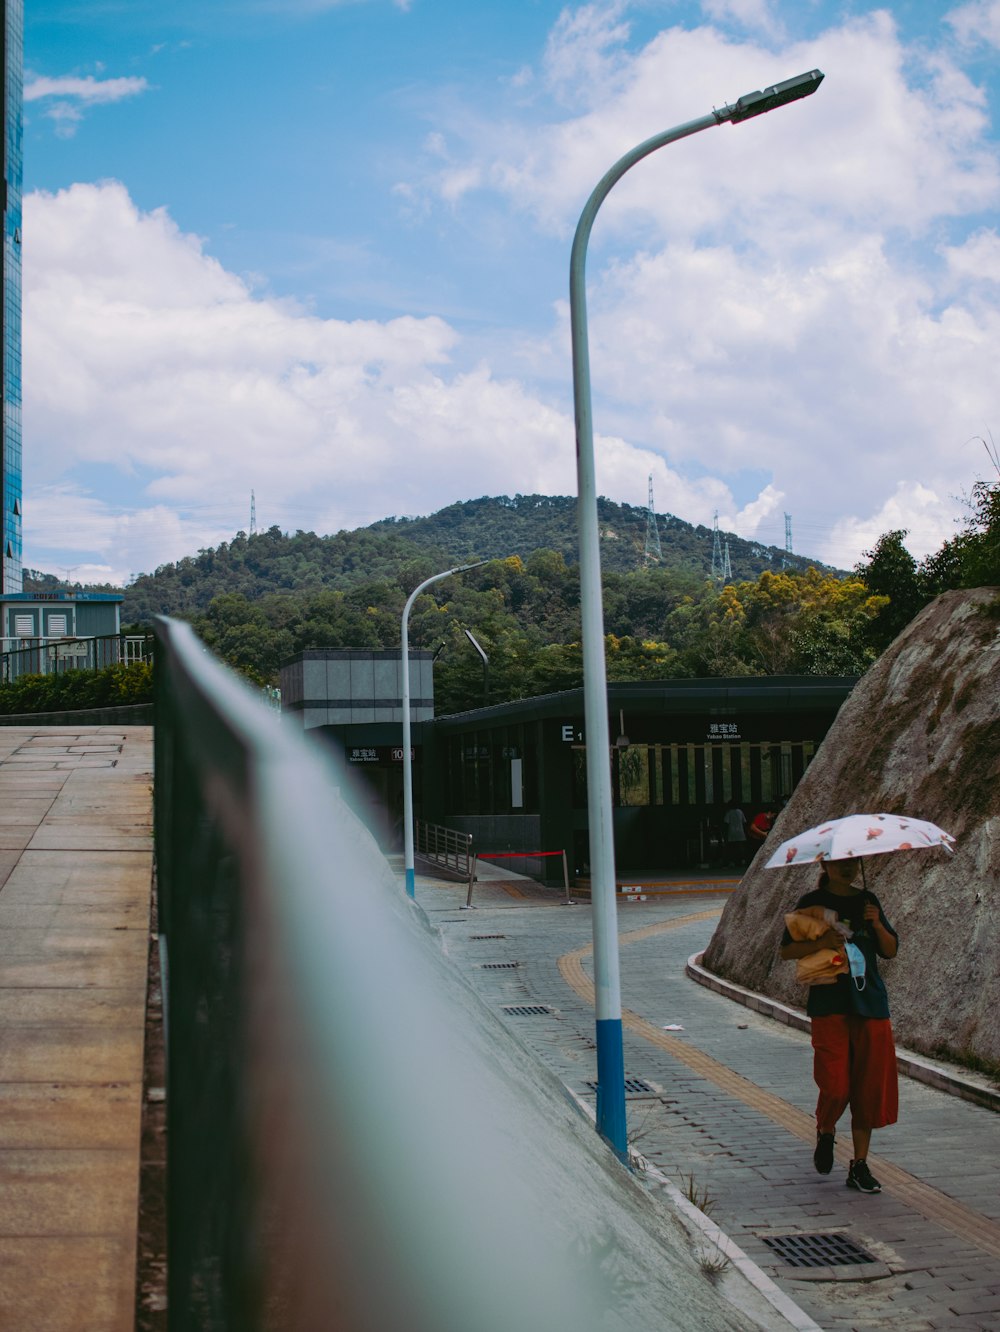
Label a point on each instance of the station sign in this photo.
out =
(378, 753)
(723, 733)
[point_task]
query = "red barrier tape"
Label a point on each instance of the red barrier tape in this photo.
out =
(510, 855)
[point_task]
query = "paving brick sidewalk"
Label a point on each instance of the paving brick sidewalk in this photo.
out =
(934, 1232)
(75, 879)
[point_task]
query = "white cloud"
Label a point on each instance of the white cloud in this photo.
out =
(772, 322)
(623, 468)
(150, 367)
(839, 381)
(65, 520)
(776, 323)
(750, 14)
(146, 360)
(891, 135)
(911, 508)
(978, 21)
(976, 259)
(585, 52)
(66, 97)
(89, 90)
(747, 522)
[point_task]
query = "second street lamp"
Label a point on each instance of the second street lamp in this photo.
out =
(409, 859)
(611, 1122)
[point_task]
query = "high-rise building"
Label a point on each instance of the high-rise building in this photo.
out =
(12, 101)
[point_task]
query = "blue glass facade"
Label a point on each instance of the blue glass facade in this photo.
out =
(12, 29)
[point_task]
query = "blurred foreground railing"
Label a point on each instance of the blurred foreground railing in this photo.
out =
(346, 1148)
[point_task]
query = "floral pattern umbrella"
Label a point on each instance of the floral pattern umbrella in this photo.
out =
(859, 835)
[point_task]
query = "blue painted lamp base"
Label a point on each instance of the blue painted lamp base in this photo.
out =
(611, 1121)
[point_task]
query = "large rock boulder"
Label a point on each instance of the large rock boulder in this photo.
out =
(920, 735)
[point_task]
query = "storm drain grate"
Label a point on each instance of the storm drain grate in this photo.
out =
(500, 966)
(526, 1010)
(635, 1086)
(818, 1250)
(487, 936)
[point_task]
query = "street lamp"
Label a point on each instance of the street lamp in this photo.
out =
(611, 1123)
(486, 664)
(408, 857)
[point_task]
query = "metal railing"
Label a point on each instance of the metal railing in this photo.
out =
(346, 1147)
(52, 656)
(445, 848)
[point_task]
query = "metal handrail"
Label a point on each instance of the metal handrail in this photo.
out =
(345, 1146)
(48, 655)
(444, 846)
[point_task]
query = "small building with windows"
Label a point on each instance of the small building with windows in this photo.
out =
(42, 632)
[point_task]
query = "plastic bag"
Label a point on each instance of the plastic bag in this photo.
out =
(822, 967)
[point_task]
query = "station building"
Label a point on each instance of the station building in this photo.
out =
(353, 701)
(513, 775)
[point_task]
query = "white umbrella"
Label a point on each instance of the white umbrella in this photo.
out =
(859, 835)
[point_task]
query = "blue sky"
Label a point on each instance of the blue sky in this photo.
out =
(319, 251)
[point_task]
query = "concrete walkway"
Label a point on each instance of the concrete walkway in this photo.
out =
(75, 878)
(720, 1101)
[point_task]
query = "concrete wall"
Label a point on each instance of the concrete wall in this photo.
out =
(135, 714)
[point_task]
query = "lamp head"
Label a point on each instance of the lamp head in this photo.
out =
(757, 103)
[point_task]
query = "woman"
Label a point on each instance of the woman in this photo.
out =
(854, 1058)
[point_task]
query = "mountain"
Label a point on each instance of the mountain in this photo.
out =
(493, 527)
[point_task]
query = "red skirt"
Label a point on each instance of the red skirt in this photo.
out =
(854, 1063)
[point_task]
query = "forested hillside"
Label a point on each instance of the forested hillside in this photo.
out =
(258, 600)
(525, 614)
(482, 529)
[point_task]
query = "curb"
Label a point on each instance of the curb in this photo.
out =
(718, 1242)
(911, 1065)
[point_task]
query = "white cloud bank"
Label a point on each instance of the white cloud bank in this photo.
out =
(894, 137)
(776, 296)
(780, 306)
(145, 359)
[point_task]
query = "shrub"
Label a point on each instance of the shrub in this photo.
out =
(73, 691)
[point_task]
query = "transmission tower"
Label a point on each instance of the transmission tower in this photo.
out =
(253, 514)
(788, 540)
(717, 564)
(727, 568)
(652, 553)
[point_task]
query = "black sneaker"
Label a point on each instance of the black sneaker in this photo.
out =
(823, 1155)
(861, 1178)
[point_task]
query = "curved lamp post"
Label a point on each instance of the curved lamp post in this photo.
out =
(611, 1122)
(408, 857)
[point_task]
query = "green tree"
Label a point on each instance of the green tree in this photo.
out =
(971, 559)
(890, 571)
